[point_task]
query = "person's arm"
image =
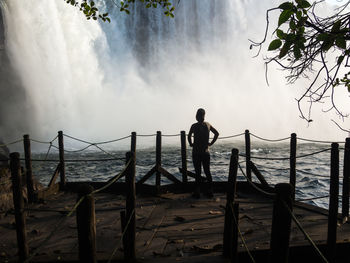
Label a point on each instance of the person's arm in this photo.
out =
(216, 135)
(189, 136)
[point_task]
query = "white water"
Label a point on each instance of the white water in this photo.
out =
(91, 81)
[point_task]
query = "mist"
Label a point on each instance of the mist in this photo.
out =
(145, 72)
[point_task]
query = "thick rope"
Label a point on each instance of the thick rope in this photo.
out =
(253, 185)
(269, 140)
(241, 235)
(10, 143)
(315, 141)
(231, 136)
(312, 198)
(146, 135)
(304, 233)
(121, 238)
(170, 135)
(43, 142)
(267, 158)
(314, 153)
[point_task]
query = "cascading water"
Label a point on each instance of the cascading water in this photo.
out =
(145, 72)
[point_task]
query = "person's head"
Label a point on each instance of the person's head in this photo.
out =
(200, 115)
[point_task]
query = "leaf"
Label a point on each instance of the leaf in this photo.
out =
(299, 15)
(286, 6)
(284, 16)
(275, 44)
(327, 44)
(292, 24)
(297, 52)
(323, 37)
(284, 50)
(336, 26)
(280, 34)
(340, 60)
(304, 4)
(340, 42)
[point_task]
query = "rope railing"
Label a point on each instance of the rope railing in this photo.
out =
(146, 135)
(269, 140)
(296, 221)
(231, 136)
(312, 198)
(285, 158)
(253, 185)
(45, 142)
(171, 135)
(11, 143)
(241, 235)
(313, 153)
(121, 238)
(314, 174)
(317, 141)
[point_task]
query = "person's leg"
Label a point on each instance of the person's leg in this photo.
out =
(197, 167)
(206, 168)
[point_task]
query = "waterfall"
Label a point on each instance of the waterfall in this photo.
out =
(144, 72)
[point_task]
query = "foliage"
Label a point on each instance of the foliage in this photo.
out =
(91, 11)
(308, 45)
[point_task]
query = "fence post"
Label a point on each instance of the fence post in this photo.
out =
(184, 156)
(158, 158)
(230, 248)
(18, 203)
(133, 142)
(281, 224)
(62, 165)
(247, 154)
(129, 251)
(86, 225)
(229, 224)
(346, 180)
(333, 203)
(29, 171)
(292, 162)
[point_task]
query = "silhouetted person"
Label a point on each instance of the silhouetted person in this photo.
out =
(200, 152)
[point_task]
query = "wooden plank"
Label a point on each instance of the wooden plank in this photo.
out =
(47, 192)
(54, 176)
(168, 175)
(192, 174)
(148, 175)
(257, 173)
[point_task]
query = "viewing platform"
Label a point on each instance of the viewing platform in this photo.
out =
(132, 221)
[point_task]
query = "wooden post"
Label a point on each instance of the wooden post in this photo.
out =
(123, 225)
(29, 171)
(18, 203)
(86, 225)
(130, 253)
(231, 191)
(281, 224)
(346, 180)
(133, 142)
(62, 165)
(333, 203)
(230, 248)
(184, 156)
(292, 162)
(247, 154)
(158, 158)
(232, 176)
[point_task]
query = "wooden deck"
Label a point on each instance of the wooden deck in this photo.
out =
(170, 228)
